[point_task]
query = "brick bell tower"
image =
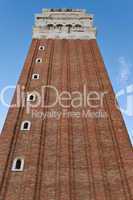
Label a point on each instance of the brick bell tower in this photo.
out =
(74, 156)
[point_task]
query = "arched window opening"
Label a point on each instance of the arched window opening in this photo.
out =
(39, 60)
(18, 164)
(41, 48)
(35, 76)
(59, 26)
(50, 26)
(31, 97)
(69, 26)
(78, 27)
(25, 125)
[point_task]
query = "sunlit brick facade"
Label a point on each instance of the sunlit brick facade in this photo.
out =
(70, 158)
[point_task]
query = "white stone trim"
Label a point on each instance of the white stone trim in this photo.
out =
(22, 126)
(38, 60)
(42, 48)
(33, 76)
(86, 31)
(14, 164)
(29, 96)
(65, 36)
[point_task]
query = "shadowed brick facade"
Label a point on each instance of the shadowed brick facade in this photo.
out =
(69, 158)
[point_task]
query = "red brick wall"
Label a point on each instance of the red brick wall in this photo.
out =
(66, 159)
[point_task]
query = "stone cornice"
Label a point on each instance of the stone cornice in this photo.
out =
(64, 23)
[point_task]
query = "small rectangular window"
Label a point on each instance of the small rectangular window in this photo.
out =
(35, 76)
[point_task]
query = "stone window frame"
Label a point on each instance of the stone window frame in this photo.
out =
(33, 76)
(15, 162)
(38, 60)
(22, 126)
(42, 48)
(29, 97)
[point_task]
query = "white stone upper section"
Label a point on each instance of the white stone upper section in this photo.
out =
(64, 24)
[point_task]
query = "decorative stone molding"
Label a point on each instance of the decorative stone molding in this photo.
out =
(64, 24)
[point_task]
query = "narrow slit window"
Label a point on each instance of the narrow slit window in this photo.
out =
(18, 164)
(26, 125)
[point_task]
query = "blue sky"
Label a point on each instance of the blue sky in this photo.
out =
(114, 22)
